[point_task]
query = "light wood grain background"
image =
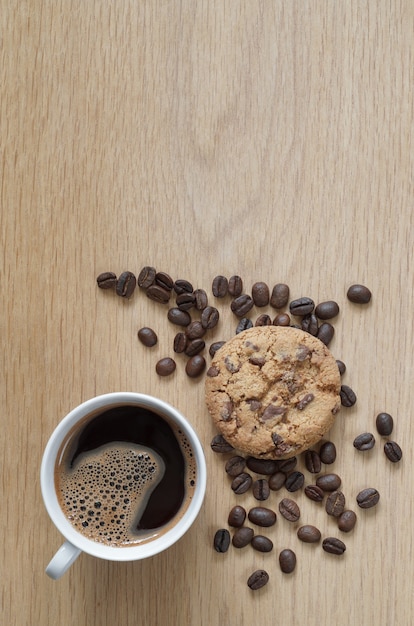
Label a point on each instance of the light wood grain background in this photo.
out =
(271, 139)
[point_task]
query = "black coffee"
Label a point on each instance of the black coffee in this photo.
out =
(124, 476)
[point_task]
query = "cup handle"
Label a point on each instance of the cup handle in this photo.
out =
(63, 559)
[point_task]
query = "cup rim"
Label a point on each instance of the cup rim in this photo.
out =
(94, 548)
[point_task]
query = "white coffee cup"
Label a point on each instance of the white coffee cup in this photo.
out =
(75, 542)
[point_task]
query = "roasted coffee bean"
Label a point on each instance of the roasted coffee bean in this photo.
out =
(220, 286)
(348, 396)
(220, 445)
(215, 346)
(180, 343)
(158, 294)
(309, 534)
(277, 480)
(125, 285)
(329, 482)
(280, 296)
(258, 579)
(335, 503)
(244, 324)
(262, 544)
(260, 294)
(262, 466)
(341, 366)
(287, 561)
(182, 286)
(178, 317)
(282, 319)
(185, 301)
(164, 280)
(261, 489)
(235, 465)
(327, 452)
(235, 286)
(325, 333)
(147, 336)
(310, 324)
(364, 441)
(222, 540)
(367, 498)
(195, 330)
(294, 481)
(209, 317)
(347, 521)
(301, 306)
(312, 461)
(327, 310)
(393, 451)
(333, 545)
(242, 305)
(106, 280)
(289, 510)
(165, 366)
(263, 320)
(242, 537)
(195, 347)
(237, 517)
(287, 465)
(200, 299)
(384, 423)
(195, 366)
(262, 516)
(315, 493)
(242, 483)
(359, 294)
(146, 277)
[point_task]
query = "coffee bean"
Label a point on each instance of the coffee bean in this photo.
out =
(282, 319)
(262, 466)
(220, 286)
(185, 301)
(244, 324)
(195, 347)
(214, 347)
(347, 521)
(182, 286)
(359, 294)
(327, 310)
(200, 299)
(280, 296)
(106, 280)
(209, 317)
(393, 451)
(287, 561)
(242, 483)
(262, 516)
(333, 546)
(287, 465)
(147, 337)
(367, 498)
(164, 280)
(222, 540)
(237, 516)
(294, 481)
(263, 320)
(242, 537)
(312, 461)
(258, 579)
(195, 330)
(289, 510)
(235, 465)
(262, 544)
(315, 493)
(384, 423)
(260, 294)
(125, 285)
(195, 366)
(364, 441)
(241, 305)
(310, 324)
(180, 342)
(309, 534)
(261, 489)
(158, 294)
(165, 366)
(325, 333)
(301, 306)
(335, 503)
(327, 452)
(348, 396)
(235, 286)
(341, 366)
(178, 317)
(220, 445)
(329, 482)
(146, 277)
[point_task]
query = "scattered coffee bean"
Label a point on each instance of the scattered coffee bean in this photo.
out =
(310, 324)
(384, 423)
(315, 493)
(393, 451)
(180, 342)
(185, 301)
(209, 317)
(327, 452)
(165, 366)
(347, 521)
(125, 285)
(178, 317)
(164, 280)
(277, 480)
(146, 277)
(287, 561)
(329, 482)
(312, 461)
(235, 465)
(294, 481)
(280, 296)
(348, 397)
(282, 319)
(367, 498)
(242, 537)
(287, 465)
(200, 299)
(222, 540)
(241, 305)
(262, 466)
(341, 366)
(195, 330)
(195, 366)
(327, 310)
(182, 286)
(158, 294)
(333, 546)
(262, 544)
(195, 347)
(261, 516)
(309, 534)
(220, 445)
(261, 489)
(244, 324)
(215, 346)
(325, 333)
(335, 503)
(147, 336)
(364, 441)
(237, 516)
(235, 286)
(106, 280)
(263, 320)
(289, 510)
(260, 294)
(258, 579)
(242, 483)
(220, 286)
(301, 306)
(359, 294)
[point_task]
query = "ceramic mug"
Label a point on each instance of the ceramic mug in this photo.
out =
(88, 420)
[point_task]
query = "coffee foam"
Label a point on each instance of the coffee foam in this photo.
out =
(106, 491)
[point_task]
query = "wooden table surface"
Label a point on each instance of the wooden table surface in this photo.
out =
(268, 139)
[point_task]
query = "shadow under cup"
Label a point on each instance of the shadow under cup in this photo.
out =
(123, 477)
